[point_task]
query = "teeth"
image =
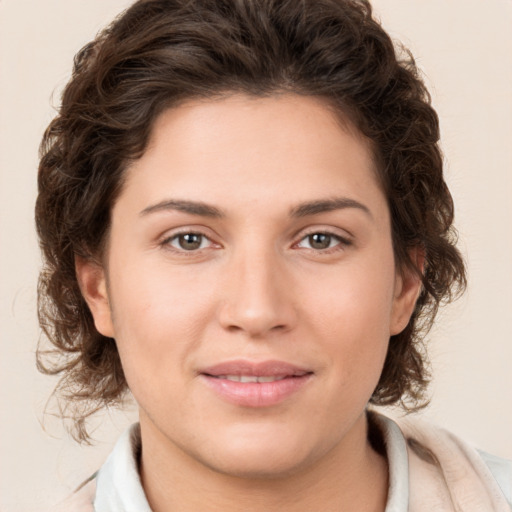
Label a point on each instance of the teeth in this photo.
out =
(269, 379)
(249, 378)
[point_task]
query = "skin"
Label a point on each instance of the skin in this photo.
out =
(257, 288)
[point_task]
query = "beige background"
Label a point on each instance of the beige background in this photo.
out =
(463, 46)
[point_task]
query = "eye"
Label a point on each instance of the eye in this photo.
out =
(188, 241)
(320, 241)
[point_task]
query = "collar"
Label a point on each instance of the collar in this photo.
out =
(118, 485)
(119, 488)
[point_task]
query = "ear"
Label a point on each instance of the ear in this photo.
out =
(407, 291)
(93, 285)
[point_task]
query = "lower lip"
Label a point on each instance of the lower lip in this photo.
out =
(256, 394)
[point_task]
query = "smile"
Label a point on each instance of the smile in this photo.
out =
(255, 384)
(249, 378)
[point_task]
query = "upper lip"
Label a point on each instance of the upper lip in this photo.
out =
(272, 368)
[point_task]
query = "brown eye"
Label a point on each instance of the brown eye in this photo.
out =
(320, 241)
(189, 241)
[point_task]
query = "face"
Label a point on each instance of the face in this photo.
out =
(250, 283)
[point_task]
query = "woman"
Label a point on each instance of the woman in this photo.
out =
(245, 224)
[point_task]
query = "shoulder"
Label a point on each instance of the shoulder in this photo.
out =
(501, 469)
(82, 500)
(444, 463)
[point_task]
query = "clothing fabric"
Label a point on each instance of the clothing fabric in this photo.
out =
(430, 469)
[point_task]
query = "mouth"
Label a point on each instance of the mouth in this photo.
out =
(248, 378)
(260, 384)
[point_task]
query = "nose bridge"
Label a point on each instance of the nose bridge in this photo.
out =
(256, 300)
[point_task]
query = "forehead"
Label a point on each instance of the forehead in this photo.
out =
(312, 116)
(285, 149)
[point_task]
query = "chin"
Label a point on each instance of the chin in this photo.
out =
(269, 467)
(258, 456)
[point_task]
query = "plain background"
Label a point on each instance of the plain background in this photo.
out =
(464, 47)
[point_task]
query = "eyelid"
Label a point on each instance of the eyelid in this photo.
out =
(169, 235)
(345, 239)
(342, 234)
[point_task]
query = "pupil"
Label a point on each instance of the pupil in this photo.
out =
(190, 241)
(320, 240)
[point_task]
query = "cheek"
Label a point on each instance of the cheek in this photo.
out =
(349, 313)
(159, 320)
(151, 295)
(356, 298)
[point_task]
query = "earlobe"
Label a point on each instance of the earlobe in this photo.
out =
(407, 290)
(93, 285)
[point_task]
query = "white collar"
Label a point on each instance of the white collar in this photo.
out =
(118, 485)
(119, 489)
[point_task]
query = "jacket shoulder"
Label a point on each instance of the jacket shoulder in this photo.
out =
(501, 470)
(82, 500)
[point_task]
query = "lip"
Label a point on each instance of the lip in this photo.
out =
(291, 379)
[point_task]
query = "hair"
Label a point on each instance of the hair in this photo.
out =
(160, 53)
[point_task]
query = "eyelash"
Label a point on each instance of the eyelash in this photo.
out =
(167, 242)
(341, 242)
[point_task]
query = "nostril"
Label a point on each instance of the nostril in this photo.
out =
(234, 328)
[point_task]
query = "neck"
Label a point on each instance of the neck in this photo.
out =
(351, 477)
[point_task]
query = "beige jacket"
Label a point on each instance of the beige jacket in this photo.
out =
(430, 470)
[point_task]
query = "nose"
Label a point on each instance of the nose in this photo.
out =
(257, 296)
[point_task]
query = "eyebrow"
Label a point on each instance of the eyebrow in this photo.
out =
(192, 207)
(302, 210)
(327, 205)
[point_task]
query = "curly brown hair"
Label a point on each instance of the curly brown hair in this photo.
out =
(159, 53)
